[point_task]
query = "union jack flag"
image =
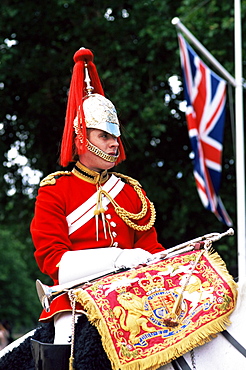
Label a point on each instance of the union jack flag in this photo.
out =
(205, 94)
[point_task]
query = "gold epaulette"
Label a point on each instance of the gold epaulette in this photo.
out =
(51, 178)
(128, 179)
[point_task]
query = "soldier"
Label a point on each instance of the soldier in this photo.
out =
(89, 220)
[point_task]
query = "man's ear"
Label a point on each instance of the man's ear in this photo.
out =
(78, 145)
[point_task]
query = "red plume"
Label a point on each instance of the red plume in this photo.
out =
(122, 155)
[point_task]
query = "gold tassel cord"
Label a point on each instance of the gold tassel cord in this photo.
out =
(127, 216)
(100, 211)
(72, 298)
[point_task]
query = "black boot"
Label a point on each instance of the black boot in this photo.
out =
(49, 356)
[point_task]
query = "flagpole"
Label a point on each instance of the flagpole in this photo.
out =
(240, 165)
(227, 76)
(237, 83)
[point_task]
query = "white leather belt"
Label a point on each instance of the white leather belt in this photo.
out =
(85, 211)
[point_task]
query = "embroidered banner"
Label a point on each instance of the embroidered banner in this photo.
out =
(151, 315)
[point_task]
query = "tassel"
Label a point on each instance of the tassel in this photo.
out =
(100, 211)
(72, 298)
(71, 360)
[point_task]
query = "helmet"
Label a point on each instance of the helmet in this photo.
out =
(100, 113)
(88, 108)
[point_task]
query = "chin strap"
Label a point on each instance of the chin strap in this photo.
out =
(100, 153)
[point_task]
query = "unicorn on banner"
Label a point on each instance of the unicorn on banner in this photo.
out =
(225, 352)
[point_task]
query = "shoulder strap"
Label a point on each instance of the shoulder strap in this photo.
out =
(128, 179)
(85, 211)
(51, 178)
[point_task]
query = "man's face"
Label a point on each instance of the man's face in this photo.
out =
(104, 141)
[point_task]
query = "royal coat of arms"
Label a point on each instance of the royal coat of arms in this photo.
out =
(150, 315)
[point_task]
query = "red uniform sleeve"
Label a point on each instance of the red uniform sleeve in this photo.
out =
(148, 240)
(49, 230)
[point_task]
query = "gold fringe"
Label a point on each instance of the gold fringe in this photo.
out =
(95, 318)
(202, 335)
(221, 269)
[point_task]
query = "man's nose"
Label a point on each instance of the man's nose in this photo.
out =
(114, 142)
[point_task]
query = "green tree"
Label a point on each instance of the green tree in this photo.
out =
(136, 53)
(17, 288)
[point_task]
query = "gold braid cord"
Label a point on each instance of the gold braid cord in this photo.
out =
(126, 216)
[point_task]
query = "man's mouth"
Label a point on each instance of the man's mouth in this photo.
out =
(113, 153)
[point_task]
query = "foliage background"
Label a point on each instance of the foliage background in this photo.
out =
(136, 52)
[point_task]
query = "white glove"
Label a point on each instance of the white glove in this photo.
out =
(79, 264)
(132, 258)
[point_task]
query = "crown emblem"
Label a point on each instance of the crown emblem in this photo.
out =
(121, 290)
(151, 283)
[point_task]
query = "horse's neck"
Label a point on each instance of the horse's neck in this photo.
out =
(238, 322)
(241, 300)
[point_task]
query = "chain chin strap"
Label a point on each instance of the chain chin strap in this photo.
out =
(100, 153)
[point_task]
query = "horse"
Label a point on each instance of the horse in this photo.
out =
(219, 353)
(225, 352)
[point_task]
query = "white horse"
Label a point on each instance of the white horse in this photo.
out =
(219, 353)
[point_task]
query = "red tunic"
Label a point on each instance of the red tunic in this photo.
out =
(49, 228)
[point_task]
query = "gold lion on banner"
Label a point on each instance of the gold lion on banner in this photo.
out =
(131, 315)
